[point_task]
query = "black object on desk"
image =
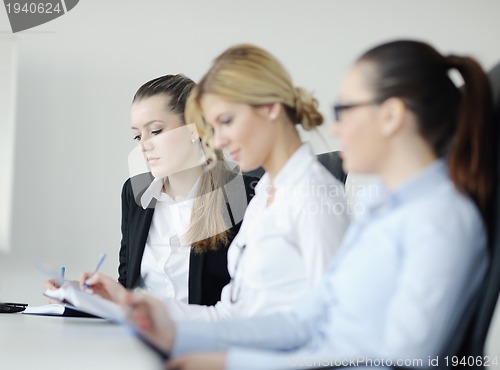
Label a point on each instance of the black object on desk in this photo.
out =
(12, 307)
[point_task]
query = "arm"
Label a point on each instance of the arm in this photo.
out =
(279, 331)
(123, 255)
(198, 313)
(284, 331)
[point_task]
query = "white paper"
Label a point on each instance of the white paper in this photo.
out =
(88, 302)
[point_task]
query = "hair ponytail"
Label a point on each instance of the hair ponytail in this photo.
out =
(471, 156)
(306, 109)
(456, 123)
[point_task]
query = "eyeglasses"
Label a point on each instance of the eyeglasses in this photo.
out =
(338, 108)
(236, 288)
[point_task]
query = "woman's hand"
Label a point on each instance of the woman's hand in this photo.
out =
(53, 285)
(199, 361)
(104, 286)
(151, 318)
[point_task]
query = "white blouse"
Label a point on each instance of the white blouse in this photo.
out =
(282, 249)
(165, 262)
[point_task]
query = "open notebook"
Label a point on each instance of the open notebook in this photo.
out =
(57, 310)
(78, 300)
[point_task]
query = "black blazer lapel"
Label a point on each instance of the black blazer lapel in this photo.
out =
(142, 221)
(195, 277)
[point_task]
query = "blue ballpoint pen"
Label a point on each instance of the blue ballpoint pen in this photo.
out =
(99, 263)
(63, 271)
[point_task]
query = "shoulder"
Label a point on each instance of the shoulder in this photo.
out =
(134, 187)
(318, 184)
(448, 205)
(236, 182)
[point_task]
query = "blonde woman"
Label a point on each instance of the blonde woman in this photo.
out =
(247, 106)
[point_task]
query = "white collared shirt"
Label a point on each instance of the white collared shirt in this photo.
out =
(165, 261)
(287, 244)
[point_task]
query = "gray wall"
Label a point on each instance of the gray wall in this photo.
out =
(77, 74)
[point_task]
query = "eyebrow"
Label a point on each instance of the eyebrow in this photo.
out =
(148, 123)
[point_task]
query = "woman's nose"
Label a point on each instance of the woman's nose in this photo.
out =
(145, 145)
(219, 141)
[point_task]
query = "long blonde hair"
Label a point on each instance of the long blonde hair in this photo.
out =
(248, 74)
(208, 226)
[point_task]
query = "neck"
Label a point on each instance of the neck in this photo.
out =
(181, 183)
(285, 145)
(405, 165)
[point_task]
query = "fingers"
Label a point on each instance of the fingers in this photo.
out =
(175, 363)
(198, 361)
(150, 317)
(50, 284)
(104, 286)
(141, 297)
(141, 306)
(84, 277)
(89, 279)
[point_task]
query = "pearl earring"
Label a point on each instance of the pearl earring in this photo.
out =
(193, 140)
(272, 116)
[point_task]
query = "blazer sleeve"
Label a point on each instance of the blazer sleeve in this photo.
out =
(123, 255)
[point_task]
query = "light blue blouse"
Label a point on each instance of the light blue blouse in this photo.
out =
(404, 274)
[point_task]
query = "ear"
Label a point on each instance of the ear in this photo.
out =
(270, 111)
(194, 132)
(393, 112)
(274, 111)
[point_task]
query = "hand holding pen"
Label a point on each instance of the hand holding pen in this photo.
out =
(102, 257)
(56, 280)
(103, 285)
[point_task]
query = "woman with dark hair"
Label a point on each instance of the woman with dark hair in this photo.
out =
(409, 267)
(179, 218)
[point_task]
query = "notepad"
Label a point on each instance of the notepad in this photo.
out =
(78, 299)
(57, 310)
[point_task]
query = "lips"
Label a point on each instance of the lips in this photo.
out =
(152, 160)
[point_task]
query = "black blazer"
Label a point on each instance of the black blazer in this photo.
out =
(207, 271)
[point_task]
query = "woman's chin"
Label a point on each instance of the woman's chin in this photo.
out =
(247, 167)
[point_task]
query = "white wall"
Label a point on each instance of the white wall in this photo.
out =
(77, 75)
(8, 64)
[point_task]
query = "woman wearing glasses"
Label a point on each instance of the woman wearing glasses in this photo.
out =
(247, 105)
(409, 267)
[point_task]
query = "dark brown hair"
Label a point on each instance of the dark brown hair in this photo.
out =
(456, 122)
(176, 87)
